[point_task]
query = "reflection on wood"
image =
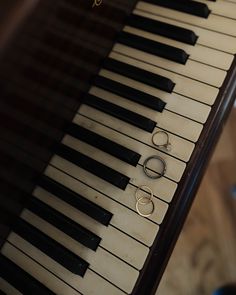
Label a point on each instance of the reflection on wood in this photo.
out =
(205, 257)
(12, 14)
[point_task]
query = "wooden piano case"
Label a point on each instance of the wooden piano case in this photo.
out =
(39, 98)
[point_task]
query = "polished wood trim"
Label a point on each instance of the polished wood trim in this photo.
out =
(204, 257)
(13, 18)
(174, 220)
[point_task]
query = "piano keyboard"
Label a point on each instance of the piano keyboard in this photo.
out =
(81, 233)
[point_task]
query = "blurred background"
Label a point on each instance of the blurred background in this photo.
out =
(204, 258)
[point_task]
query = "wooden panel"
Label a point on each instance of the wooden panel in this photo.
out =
(204, 257)
(47, 67)
(180, 206)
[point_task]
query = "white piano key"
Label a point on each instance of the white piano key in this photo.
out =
(197, 52)
(184, 86)
(191, 69)
(36, 270)
(122, 248)
(222, 8)
(100, 262)
(123, 218)
(167, 120)
(208, 38)
(7, 288)
(181, 148)
(213, 22)
(175, 168)
(163, 188)
(176, 103)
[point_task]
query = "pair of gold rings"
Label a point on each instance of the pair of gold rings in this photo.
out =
(144, 203)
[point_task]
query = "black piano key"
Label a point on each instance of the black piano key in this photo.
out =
(139, 74)
(53, 249)
(153, 47)
(190, 7)
(75, 200)
(104, 144)
(21, 280)
(120, 113)
(65, 224)
(163, 29)
(132, 94)
(106, 173)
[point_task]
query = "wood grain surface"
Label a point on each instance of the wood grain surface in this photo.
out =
(204, 257)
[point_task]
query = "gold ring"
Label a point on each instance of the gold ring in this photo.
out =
(139, 198)
(166, 145)
(144, 214)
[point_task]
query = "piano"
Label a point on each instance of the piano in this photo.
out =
(110, 111)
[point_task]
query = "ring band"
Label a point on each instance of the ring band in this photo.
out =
(145, 214)
(140, 198)
(166, 145)
(159, 175)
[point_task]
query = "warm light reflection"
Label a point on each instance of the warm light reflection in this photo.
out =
(97, 3)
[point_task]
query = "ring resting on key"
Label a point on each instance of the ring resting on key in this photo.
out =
(143, 199)
(166, 145)
(145, 168)
(139, 204)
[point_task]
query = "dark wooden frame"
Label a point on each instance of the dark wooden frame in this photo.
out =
(179, 208)
(184, 196)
